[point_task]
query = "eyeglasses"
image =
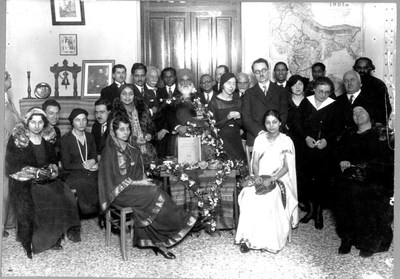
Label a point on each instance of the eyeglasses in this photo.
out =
(206, 81)
(257, 72)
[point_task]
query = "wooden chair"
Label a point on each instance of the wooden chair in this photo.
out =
(122, 218)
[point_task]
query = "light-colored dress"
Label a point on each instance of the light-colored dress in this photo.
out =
(264, 222)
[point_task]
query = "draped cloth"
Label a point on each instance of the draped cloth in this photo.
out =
(158, 220)
(264, 221)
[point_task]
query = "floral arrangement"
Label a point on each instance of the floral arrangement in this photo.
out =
(206, 202)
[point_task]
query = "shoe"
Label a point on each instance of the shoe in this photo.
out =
(244, 248)
(74, 234)
(365, 254)
(345, 247)
(56, 247)
(168, 255)
(28, 249)
(307, 218)
(5, 233)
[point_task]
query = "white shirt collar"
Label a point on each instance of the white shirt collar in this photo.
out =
(354, 94)
(264, 84)
(283, 83)
(325, 103)
(139, 87)
(172, 87)
(118, 83)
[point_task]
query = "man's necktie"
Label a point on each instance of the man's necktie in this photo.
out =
(351, 99)
(280, 84)
(142, 91)
(170, 93)
(265, 90)
(207, 97)
(103, 128)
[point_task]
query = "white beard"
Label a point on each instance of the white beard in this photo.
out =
(186, 90)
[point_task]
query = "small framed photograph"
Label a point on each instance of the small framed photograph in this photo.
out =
(68, 44)
(69, 12)
(96, 74)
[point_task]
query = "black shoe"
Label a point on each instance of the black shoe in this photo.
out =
(244, 248)
(74, 234)
(365, 254)
(28, 249)
(5, 233)
(168, 255)
(307, 218)
(345, 247)
(56, 247)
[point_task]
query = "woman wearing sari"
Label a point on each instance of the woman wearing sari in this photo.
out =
(44, 206)
(138, 113)
(159, 222)
(267, 213)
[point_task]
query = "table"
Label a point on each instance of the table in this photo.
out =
(226, 213)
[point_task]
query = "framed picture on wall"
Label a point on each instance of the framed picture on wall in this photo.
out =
(96, 74)
(68, 44)
(69, 12)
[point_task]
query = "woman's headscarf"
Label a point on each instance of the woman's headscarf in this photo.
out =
(32, 111)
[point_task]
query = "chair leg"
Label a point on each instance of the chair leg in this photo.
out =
(123, 236)
(108, 228)
(290, 230)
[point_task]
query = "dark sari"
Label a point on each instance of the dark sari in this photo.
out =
(158, 220)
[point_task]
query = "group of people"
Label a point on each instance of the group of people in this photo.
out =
(308, 145)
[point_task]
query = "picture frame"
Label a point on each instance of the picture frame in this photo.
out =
(96, 74)
(67, 13)
(68, 44)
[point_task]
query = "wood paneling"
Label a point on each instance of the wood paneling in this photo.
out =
(198, 35)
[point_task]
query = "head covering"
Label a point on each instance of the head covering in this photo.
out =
(182, 72)
(224, 78)
(294, 79)
(365, 104)
(34, 110)
(75, 112)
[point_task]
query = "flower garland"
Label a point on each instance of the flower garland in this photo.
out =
(206, 202)
(214, 157)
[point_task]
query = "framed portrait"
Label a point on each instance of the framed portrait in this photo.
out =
(96, 74)
(68, 44)
(67, 12)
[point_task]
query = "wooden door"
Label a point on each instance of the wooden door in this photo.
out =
(199, 35)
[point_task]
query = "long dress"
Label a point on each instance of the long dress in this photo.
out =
(362, 210)
(158, 220)
(76, 176)
(229, 128)
(44, 210)
(264, 222)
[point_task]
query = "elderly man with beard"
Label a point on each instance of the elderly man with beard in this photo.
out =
(179, 111)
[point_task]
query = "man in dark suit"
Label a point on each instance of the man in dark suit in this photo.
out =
(52, 109)
(281, 71)
(168, 75)
(139, 72)
(263, 96)
(375, 89)
(119, 75)
(206, 92)
(219, 71)
(99, 128)
(317, 70)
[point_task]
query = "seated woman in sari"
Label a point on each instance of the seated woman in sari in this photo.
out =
(268, 202)
(138, 113)
(45, 208)
(159, 222)
(364, 187)
(79, 159)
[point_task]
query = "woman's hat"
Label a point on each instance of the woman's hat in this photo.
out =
(34, 110)
(225, 77)
(75, 112)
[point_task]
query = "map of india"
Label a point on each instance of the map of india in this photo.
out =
(305, 33)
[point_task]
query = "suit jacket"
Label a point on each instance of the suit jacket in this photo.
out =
(110, 92)
(255, 104)
(149, 96)
(98, 138)
(203, 99)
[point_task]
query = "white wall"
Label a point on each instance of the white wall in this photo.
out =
(112, 31)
